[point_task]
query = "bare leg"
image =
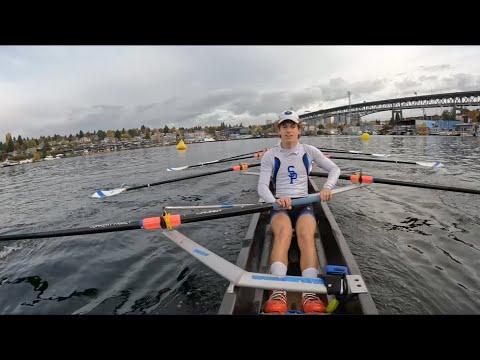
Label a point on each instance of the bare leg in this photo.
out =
(282, 232)
(305, 230)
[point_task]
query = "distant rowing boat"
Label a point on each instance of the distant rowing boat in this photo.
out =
(332, 249)
(8, 163)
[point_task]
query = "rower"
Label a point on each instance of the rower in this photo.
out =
(287, 166)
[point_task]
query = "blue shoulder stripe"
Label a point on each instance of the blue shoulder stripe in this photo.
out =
(307, 163)
(276, 167)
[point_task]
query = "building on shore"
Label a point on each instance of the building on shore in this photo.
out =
(157, 137)
(233, 133)
(169, 139)
(352, 130)
(466, 129)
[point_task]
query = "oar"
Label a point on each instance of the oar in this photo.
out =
(237, 276)
(257, 155)
(232, 158)
(100, 194)
(352, 152)
(369, 179)
(169, 221)
(200, 207)
(229, 206)
(435, 164)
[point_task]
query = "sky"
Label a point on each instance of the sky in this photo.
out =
(46, 90)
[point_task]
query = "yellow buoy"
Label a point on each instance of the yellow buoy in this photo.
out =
(181, 145)
(365, 136)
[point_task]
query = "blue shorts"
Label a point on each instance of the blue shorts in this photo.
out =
(294, 213)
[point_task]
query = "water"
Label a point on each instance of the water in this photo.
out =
(418, 249)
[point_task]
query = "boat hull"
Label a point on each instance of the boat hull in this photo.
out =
(331, 247)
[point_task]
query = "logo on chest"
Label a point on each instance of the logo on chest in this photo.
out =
(292, 174)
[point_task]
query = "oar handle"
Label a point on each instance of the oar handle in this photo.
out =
(310, 199)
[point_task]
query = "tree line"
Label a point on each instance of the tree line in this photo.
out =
(21, 144)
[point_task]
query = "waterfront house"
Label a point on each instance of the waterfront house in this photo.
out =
(465, 129)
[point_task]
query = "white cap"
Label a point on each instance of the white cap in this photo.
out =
(288, 115)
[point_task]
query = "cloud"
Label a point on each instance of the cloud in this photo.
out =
(337, 88)
(433, 68)
(47, 89)
(406, 84)
(458, 82)
(451, 83)
(428, 78)
(231, 106)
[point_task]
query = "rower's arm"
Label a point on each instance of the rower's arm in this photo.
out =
(266, 168)
(326, 164)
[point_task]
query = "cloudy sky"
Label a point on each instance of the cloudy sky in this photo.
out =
(64, 89)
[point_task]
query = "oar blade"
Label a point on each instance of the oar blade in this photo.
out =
(360, 152)
(101, 194)
(178, 168)
(435, 164)
(191, 166)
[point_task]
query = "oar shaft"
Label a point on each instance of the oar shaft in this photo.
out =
(373, 159)
(238, 156)
(154, 223)
(220, 161)
(96, 229)
(190, 218)
(228, 159)
(426, 186)
(342, 151)
(243, 157)
(187, 177)
(198, 207)
(407, 183)
(170, 220)
(337, 151)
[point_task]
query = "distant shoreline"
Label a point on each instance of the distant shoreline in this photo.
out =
(9, 163)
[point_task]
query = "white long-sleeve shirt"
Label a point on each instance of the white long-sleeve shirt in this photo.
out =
(288, 169)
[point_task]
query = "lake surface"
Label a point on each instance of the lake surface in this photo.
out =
(418, 249)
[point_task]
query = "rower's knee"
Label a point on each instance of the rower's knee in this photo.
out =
(282, 229)
(281, 244)
(305, 231)
(305, 238)
(283, 237)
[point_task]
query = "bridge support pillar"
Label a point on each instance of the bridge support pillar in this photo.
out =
(397, 114)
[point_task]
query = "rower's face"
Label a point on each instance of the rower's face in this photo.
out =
(289, 131)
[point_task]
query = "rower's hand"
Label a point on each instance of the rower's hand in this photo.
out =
(285, 203)
(325, 194)
(258, 155)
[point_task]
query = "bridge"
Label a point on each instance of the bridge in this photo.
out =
(454, 100)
